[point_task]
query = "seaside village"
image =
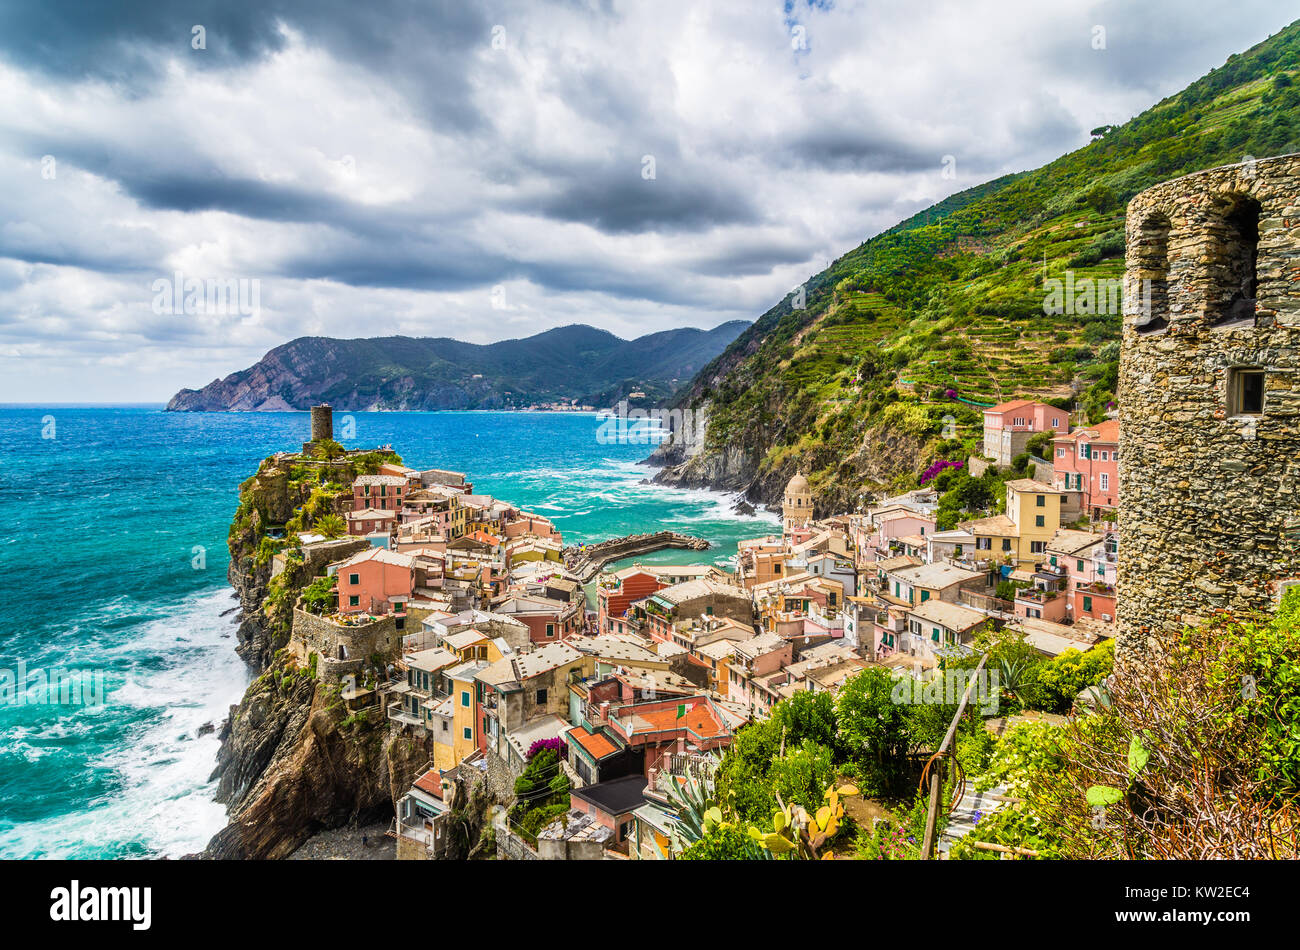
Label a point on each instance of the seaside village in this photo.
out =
(496, 642)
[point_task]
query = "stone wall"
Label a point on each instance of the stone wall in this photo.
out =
(315, 634)
(1209, 501)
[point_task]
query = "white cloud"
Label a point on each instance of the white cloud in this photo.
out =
(380, 174)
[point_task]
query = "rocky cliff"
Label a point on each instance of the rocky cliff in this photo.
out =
(294, 760)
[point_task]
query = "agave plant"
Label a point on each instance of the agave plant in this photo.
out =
(697, 810)
(1015, 677)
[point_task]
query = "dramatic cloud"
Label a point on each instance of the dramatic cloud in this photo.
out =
(482, 172)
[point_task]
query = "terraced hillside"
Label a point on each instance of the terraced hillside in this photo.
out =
(949, 309)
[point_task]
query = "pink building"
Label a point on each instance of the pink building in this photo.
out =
(1009, 426)
(369, 520)
(1087, 561)
(1087, 461)
(548, 621)
(532, 524)
(375, 581)
(384, 492)
(884, 529)
(754, 663)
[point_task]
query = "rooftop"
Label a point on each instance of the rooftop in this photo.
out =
(952, 616)
(701, 587)
(429, 661)
(998, 526)
(1106, 432)
(618, 796)
(380, 556)
(595, 744)
(379, 480)
(1070, 541)
(1032, 486)
(935, 576)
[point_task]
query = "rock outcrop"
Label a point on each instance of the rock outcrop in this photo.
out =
(294, 759)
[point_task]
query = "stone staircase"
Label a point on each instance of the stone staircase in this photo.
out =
(962, 821)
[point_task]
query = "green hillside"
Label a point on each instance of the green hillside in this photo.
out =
(852, 389)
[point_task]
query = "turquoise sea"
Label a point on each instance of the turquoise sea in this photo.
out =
(114, 561)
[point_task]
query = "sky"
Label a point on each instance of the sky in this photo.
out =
(185, 185)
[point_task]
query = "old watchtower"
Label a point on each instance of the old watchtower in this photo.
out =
(1209, 393)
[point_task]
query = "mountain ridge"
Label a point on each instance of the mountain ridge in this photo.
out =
(571, 364)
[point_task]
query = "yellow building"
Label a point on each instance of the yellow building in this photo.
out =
(1033, 516)
(459, 519)
(465, 696)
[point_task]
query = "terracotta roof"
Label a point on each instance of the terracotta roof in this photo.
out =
(597, 746)
(1106, 433)
(430, 782)
(1008, 406)
(699, 719)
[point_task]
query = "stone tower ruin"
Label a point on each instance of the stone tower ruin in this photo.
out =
(322, 423)
(1209, 395)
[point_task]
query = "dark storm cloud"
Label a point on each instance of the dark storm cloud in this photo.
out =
(421, 45)
(621, 200)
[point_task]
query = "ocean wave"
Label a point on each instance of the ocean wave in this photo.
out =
(161, 764)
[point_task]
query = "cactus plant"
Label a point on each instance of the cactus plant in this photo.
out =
(798, 834)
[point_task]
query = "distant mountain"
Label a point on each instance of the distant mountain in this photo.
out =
(574, 363)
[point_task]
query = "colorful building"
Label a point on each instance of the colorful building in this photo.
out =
(1087, 461)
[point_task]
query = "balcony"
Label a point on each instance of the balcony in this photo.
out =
(1037, 595)
(397, 714)
(1097, 589)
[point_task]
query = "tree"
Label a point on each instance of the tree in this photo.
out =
(331, 526)
(328, 449)
(807, 715)
(872, 726)
(723, 843)
(741, 780)
(1064, 677)
(318, 596)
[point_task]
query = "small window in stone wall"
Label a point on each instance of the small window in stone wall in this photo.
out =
(1152, 253)
(1234, 260)
(1245, 391)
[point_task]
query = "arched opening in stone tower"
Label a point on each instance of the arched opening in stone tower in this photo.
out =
(1153, 274)
(1234, 260)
